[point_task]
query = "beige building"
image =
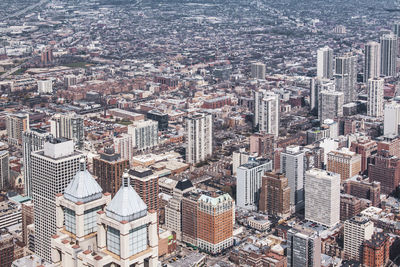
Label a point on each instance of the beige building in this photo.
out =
(344, 162)
(16, 124)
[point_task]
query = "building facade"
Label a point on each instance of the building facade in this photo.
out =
(372, 61)
(275, 195)
(375, 97)
(199, 138)
(16, 124)
(144, 134)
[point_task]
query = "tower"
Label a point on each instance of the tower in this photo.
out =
(266, 115)
(16, 124)
(375, 97)
(325, 63)
(258, 70)
(356, 230)
(372, 61)
(144, 134)
(346, 77)
(304, 248)
(389, 50)
(69, 126)
(199, 129)
(391, 119)
(330, 105)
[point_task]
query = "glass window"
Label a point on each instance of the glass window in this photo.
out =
(113, 242)
(138, 239)
(90, 218)
(69, 220)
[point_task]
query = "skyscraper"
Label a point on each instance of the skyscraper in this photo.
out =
(16, 124)
(330, 105)
(346, 77)
(344, 162)
(325, 63)
(391, 119)
(275, 195)
(123, 145)
(372, 61)
(69, 126)
(316, 86)
(52, 170)
(389, 50)
(322, 197)
(258, 70)
(144, 134)
(266, 115)
(356, 230)
(303, 248)
(199, 138)
(396, 28)
(4, 170)
(375, 97)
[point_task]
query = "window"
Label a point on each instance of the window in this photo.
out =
(137, 239)
(90, 218)
(69, 220)
(113, 242)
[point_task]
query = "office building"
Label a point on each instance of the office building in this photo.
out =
(199, 137)
(27, 213)
(189, 217)
(52, 170)
(303, 248)
(344, 162)
(6, 249)
(248, 182)
(144, 134)
(372, 61)
(124, 147)
(159, 117)
(356, 230)
(316, 86)
(45, 86)
(275, 195)
(102, 231)
(330, 105)
(4, 170)
(391, 119)
(69, 126)
(362, 188)
(346, 77)
(375, 97)
(325, 63)
(366, 148)
(10, 214)
(266, 115)
(350, 206)
(70, 80)
(16, 124)
(389, 50)
(32, 140)
(385, 169)
(322, 197)
(292, 166)
(376, 251)
(258, 70)
(262, 144)
(239, 158)
(215, 219)
(109, 169)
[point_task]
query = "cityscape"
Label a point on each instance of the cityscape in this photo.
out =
(188, 133)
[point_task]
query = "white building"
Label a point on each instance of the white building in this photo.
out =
(123, 145)
(389, 50)
(391, 119)
(4, 170)
(68, 126)
(199, 139)
(45, 86)
(258, 70)
(325, 63)
(356, 231)
(346, 77)
(144, 134)
(330, 105)
(16, 124)
(322, 197)
(318, 85)
(292, 166)
(239, 158)
(52, 170)
(372, 61)
(266, 113)
(249, 181)
(375, 97)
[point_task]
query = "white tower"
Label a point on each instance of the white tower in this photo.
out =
(375, 97)
(325, 63)
(389, 50)
(199, 128)
(391, 119)
(372, 63)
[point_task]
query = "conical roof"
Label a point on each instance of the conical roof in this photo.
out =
(126, 204)
(83, 186)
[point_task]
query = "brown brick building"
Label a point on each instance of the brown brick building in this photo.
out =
(262, 144)
(27, 219)
(386, 170)
(275, 195)
(376, 251)
(366, 148)
(189, 217)
(362, 188)
(349, 206)
(6, 249)
(344, 162)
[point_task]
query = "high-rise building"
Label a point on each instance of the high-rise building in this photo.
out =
(69, 126)
(70, 80)
(32, 140)
(396, 29)
(109, 169)
(346, 77)
(375, 97)
(385, 168)
(4, 170)
(376, 251)
(123, 145)
(16, 124)
(330, 105)
(360, 188)
(325, 63)
(391, 119)
(199, 138)
(258, 70)
(45, 86)
(160, 117)
(52, 170)
(6, 249)
(215, 219)
(102, 231)
(316, 86)
(344, 162)
(303, 248)
(292, 166)
(248, 182)
(372, 61)
(356, 230)
(189, 217)
(266, 114)
(322, 197)
(350, 206)
(275, 195)
(366, 148)
(262, 144)
(144, 134)
(239, 158)
(27, 212)
(389, 50)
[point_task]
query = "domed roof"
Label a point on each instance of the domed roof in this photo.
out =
(83, 186)
(126, 204)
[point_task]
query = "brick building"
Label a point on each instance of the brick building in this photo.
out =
(262, 144)
(349, 206)
(376, 251)
(386, 170)
(366, 148)
(362, 188)
(344, 162)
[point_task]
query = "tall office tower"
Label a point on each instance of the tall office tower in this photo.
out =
(16, 124)
(123, 145)
(258, 70)
(173, 211)
(292, 166)
(389, 51)
(346, 77)
(239, 158)
(316, 86)
(69, 126)
(391, 119)
(275, 195)
(199, 137)
(45, 86)
(32, 140)
(52, 170)
(356, 230)
(330, 105)
(4, 170)
(375, 97)
(160, 117)
(385, 168)
(215, 219)
(363, 189)
(303, 248)
(262, 144)
(372, 61)
(325, 63)
(376, 251)
(322, 197)
(344, 162)
(248, 181)
(123, 234)
(144, 134)
(266, 113)
(366, 148)
(189, 217)
(109, 169)
(27, 212)
(6, 249)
